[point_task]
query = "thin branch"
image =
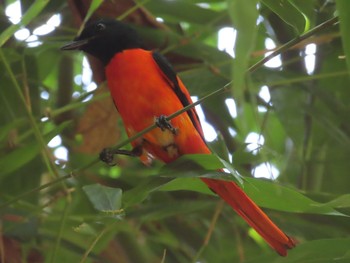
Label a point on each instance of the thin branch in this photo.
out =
(213, 222)
(72, 174)
(60, 231)
(293, 42)
(94, 242)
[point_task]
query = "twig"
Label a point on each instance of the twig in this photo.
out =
(213, 222)
(293, 42)
(94, 242)
(72, 174)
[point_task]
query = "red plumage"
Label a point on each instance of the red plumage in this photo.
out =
(144, 87)
(141, 92)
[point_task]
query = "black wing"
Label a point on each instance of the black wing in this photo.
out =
(171, 78)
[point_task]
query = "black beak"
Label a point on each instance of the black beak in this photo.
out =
(76, 44)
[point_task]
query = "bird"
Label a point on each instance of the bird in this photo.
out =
(145, 89)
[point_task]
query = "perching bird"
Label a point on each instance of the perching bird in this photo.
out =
(145, 88)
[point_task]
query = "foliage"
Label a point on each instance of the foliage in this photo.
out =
(80, 210)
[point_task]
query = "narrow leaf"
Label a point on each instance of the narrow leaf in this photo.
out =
(289, 13)
(343, 7)
(189, 184)
(143, 189)
(271, 195)
(200, 165)
(17, 158)
(340, 202)
(316, 251)
(244, 15)
(194, 162)
(93, 6)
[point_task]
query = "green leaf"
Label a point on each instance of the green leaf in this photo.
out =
(343, 7)
(193, 162)
(307, 9)
(17, 158)
(185, 170)
(189, 184)
(155, 211)
(182, 11)
(143, 189)
(266, 194)
(104, 198)
(342, 201)
(200, 165)
(289, 12)
(244, 16)
(324, 250)
(317, 251)
(289, 106)
(48, 59)
(271, 195)
(93, 6)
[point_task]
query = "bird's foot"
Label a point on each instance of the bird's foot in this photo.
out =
(107, 154)
(164, 124)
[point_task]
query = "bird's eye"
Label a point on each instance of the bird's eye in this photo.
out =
(100, 27)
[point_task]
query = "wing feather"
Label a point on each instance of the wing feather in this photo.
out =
(179, 89)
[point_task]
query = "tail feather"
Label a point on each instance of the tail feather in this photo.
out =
(252, 214)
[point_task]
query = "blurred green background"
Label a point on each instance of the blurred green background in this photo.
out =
(283, 126)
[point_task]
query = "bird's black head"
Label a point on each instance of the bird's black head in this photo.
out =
(104, 38)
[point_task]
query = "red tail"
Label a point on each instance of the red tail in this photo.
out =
(250, 212)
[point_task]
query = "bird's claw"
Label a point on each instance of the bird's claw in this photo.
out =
(163, 123)
(107, 154)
